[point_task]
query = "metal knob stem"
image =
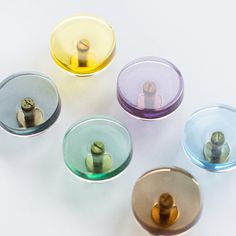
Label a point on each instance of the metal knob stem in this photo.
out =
(28, 108)
(83, 47)
(29, 115)
(149, 91)
(165, 212)
(217, 149)
(97, 150)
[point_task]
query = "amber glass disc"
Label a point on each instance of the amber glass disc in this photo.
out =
(177, 182)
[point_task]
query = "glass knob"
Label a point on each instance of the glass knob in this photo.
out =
(97, 148)
(83, 45)
(166, 201)
(150, 88)
(209, 138)
(29, 103)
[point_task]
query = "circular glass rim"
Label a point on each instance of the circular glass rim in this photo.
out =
(99, 177)
(108, 58)
(163, 231)
(151, 114)
(45, 125)
(212, 167)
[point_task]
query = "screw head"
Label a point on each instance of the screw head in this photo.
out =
(149, 87)
(97, 148)
(27, 104)
(166, 200)
(218, 138)
(83, 45)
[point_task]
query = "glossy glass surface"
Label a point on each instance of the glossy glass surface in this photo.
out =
(79, 139)
(150, 88)
(28, 84)
(177, 182)
(94, 38)
(199, 129)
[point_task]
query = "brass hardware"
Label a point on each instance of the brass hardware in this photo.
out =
(29, 115)
(165, 212)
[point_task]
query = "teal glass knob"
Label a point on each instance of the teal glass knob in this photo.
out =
(97, 148)
(29, 103)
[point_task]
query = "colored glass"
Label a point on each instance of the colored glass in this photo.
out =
(209, 138)
(83, 45)
(150, 88)
(29, 103)
(97, 148)
(166, 201)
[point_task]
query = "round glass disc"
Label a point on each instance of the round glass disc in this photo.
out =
(157, 183)
(97, 148)
(210, 138)
(29, 103)
(150, 88)
(83, 45)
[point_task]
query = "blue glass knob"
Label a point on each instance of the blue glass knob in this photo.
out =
(210, 138)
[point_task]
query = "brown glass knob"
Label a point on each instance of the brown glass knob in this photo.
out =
(166, 201)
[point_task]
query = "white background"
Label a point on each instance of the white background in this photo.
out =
(38, 194)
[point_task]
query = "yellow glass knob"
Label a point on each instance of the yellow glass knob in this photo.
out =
(83, 45)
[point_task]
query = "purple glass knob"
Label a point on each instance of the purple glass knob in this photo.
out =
(150, 88)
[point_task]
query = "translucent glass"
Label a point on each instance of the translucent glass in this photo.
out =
(150, 88)
(83, 44)
(177, 182)
(199, 129)
(24, 85)
(79, 139)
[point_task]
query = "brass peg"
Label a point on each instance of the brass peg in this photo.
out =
(165, 212)
(98, 161)
(29, 115)
(149, 91)
(217, 149)
(83, 47)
